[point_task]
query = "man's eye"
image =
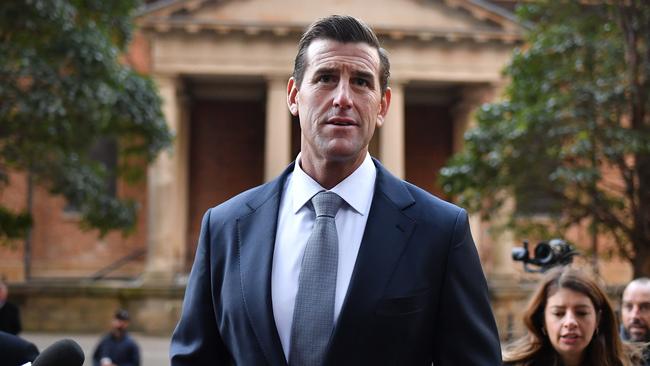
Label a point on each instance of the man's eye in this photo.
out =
(361, 82)
(325, 79)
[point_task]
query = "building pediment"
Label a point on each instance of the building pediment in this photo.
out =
(426, 20)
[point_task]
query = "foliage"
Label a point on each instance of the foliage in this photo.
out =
(62, 89)
(573, 128)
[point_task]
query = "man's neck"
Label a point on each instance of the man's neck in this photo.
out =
(330, 173)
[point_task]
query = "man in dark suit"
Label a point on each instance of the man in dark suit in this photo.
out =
(336, 262)
(635, 314)
(9, 313)
(16, 351)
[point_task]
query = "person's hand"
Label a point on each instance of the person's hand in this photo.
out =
(105, 361)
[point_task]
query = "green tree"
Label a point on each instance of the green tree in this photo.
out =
(572, 131)
(62, 90)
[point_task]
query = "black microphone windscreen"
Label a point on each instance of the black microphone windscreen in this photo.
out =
(65, 352)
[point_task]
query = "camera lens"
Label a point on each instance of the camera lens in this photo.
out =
(543, 253)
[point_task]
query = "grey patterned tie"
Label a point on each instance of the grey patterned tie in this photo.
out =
(313, 315)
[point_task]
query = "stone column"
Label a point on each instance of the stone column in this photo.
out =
(494, 245)
(167, 192)
(277, 148)
(391, 135)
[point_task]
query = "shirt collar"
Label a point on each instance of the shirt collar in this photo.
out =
(356, 190)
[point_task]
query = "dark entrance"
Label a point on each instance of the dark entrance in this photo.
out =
(226, 154)
(429, 137)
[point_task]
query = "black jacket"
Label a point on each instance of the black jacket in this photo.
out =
(10, 318)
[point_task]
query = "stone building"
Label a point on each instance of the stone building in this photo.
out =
(221, 67)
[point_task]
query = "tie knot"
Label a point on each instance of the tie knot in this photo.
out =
(326, 203)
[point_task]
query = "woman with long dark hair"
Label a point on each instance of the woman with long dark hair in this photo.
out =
(570, 322)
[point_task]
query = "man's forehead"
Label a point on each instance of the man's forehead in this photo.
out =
(325, 51)
(637, 292)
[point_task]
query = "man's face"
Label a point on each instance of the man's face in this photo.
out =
(339, 102)
(119, 326)
(636, 312)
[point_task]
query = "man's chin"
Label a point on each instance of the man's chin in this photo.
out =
(639, 336)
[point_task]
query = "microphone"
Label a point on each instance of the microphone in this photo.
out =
(65, 352)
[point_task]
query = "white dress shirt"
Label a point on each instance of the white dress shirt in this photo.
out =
(295, 221)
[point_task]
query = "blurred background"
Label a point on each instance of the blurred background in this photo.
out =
(122, 123)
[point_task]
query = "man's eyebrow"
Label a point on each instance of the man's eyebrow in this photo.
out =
(364, 74)
(325, 70)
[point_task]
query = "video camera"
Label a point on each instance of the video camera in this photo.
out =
(545, 255)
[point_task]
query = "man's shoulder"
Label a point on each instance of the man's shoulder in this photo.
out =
(107, 337)
(426, 198)
(130, 341)
(103, 341)
(9, 307)
(417, 199)
(246, 202)
(428, 208)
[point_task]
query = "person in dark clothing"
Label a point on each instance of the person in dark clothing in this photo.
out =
(16, 351)
(9, 313)
(635, 314)
(117, 348)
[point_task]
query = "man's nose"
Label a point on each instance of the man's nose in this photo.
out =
(342, 96)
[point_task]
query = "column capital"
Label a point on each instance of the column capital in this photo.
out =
(164, 79)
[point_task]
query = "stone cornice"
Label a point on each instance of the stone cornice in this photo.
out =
(192, 26)
(177, 15)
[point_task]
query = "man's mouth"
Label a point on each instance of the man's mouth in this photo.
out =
(638, 325)
(638, 328)
(341, 121)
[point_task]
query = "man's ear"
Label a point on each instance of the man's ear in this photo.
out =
(292, 96)
(383, 107)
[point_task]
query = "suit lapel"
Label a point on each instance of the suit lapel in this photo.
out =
(256, 232)
(386, 235)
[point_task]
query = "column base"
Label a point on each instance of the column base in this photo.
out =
(158, 277)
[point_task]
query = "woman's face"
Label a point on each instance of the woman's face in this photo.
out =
(571, 320)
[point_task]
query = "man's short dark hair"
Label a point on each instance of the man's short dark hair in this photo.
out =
(344, 29)
(122, 314)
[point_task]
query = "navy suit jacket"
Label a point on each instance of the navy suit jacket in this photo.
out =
(417, 295)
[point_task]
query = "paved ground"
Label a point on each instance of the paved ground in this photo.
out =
(153, 350)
